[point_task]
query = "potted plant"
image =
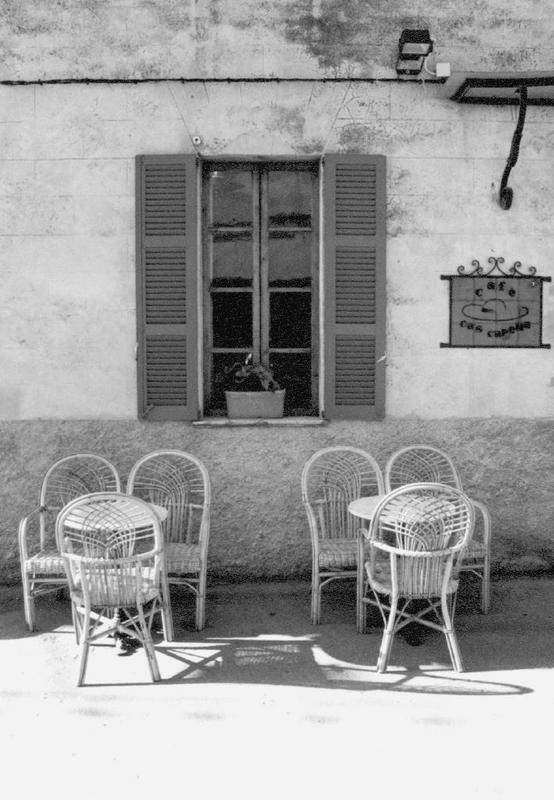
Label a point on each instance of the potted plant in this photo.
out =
(253, 392)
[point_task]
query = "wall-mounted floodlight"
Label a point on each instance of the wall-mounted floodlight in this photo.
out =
(414, 46)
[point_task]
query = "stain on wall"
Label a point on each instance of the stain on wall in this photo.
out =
(226, 38)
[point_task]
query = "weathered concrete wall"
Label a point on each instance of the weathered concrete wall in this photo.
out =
(67, 329)
(259, 527)
(256, 38)
(67, 319)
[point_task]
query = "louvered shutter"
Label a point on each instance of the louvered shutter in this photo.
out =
(354, 264)
(167, 287)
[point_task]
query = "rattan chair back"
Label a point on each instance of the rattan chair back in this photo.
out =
(179, 482)
(112, 546)
(421, 530)
(71, 477)
(331, 479)
(420, 463)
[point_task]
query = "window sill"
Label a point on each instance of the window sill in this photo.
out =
(281, 422)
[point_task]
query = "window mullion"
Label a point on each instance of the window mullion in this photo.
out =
(264, 268)
(256, 333)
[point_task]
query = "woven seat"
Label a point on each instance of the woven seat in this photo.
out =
(338, 553)
(179, 482)
(45, 562)
(475, 550)
(331, 479)
(382, 581)
(116, 587)
(418, 463)
(42, 568)
(412, 559)
(112, 548)
(183, 558)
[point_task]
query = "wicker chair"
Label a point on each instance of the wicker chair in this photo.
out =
(180, 483)
(415, 542)
(112, 546)
(42, 569)
(425, 463)
(331, 479)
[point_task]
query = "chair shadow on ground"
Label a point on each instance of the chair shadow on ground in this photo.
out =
(267, 638)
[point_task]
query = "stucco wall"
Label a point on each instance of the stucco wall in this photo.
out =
(235, 38)
(67, 318)
(67, 221)
(259, 528)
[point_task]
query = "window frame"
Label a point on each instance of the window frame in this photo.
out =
(260, 287)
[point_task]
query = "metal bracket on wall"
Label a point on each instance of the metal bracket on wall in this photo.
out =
(506, 194)
(514, 88)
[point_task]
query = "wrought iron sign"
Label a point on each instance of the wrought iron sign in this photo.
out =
(495, 307)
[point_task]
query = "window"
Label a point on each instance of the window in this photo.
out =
(231, 256)
(260, 281)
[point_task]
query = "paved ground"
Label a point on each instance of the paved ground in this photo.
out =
(262, 705)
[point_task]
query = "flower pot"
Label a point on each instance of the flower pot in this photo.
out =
(255, 405)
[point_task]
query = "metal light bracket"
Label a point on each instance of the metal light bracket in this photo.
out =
(523, 89)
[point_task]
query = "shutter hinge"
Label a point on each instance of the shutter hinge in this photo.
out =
(382, 360)
(136, 351)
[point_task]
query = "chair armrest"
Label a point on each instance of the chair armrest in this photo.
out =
(318, 518)
(24, 529)
(486, 517)
(313, 522)
(364, 542)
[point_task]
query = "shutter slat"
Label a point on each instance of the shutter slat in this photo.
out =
(355, 287)
(166, 370)
(165, 285)
(353, 380)
(165, 200)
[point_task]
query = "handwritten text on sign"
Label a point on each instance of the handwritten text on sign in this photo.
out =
(495, 312)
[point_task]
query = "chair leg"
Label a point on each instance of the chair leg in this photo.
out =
(84, 643)
(486, 586)
(316, 597)
(451, 639)
(388, 636)
(201, 603)
(361, 610)
(76, 622)
(167, 615)
(28, 605)
(148, 646)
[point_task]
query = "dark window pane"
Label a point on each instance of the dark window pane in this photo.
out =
(231, 192)
(232, 258)
(290, 199)
(232, 319)
(290, 319)
(290, 258)
(293, 371)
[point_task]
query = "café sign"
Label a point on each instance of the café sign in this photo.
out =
(495, 308)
